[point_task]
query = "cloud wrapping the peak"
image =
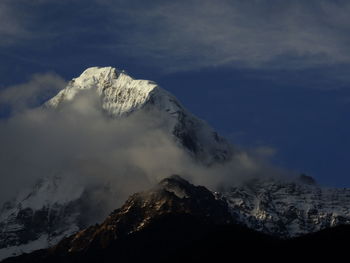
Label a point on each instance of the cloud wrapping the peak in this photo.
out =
(81, 144)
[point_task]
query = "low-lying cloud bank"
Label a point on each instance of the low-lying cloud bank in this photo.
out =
(82, 144)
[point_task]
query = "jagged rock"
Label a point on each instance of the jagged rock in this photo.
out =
(172, 196)
(179, 222)
(288, 209)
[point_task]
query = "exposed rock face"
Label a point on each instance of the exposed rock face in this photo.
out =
(172, 196)
(164, 224)
(24, 228)
(288, 209)
(43, 216)
(179, 222)
(282, 209)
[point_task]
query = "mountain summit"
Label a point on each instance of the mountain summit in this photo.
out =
(122, 95)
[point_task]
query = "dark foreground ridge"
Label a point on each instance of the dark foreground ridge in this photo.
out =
(179, 222)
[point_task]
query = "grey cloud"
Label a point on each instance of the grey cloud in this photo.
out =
(12, 24)
(81, 144)
(32, 93)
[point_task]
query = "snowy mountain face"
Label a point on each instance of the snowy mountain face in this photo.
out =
(38, 218)
(288, 209)
(121, 95)
(43, 215)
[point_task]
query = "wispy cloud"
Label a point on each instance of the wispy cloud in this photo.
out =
(204, 33)
(11, 27)
(32, 93)
(181, 35)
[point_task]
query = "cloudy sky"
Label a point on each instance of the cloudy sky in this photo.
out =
(263, 73)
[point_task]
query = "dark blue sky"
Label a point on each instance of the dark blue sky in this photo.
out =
(263, 73)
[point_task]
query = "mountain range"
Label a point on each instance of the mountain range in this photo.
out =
(176, 221)
(54, 213)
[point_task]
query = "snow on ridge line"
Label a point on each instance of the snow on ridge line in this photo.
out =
(121, 95)
(120, 92)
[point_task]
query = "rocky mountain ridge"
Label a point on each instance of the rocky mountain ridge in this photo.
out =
(177, 221)
(172, 196)
(288, 208)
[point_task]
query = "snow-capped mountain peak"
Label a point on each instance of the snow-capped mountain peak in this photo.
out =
(56, 207)
(122, 95)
